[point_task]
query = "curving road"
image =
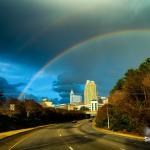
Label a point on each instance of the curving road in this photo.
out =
(70, 136)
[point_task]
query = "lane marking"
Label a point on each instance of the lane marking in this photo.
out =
(20, 141)
(31, 147)
(70, 148)
(25, 137)
(122, 149)
(59, 132)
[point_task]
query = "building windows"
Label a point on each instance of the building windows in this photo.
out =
(95, 106)
(92, 107)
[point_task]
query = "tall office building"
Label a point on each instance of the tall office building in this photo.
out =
(90, 92)
(75, 99)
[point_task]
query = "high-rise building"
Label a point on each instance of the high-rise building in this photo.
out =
(75, 99)
(90, 92)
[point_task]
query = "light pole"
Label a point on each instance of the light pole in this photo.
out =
(108, 119)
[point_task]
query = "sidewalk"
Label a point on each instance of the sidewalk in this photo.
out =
(14, 132)
(130, 136)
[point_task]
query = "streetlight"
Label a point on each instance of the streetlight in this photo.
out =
(108, 119)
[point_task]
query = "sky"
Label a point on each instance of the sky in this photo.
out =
(48, 47)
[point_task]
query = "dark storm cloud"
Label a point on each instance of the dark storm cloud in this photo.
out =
(41, 29)
(64, 85)
(9, 89)
(21, 23)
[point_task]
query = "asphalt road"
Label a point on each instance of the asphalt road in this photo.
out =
(70, 136)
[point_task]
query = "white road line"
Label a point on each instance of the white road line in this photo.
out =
(122, 149)
(20, 141)
(70, 148)
(59, 132)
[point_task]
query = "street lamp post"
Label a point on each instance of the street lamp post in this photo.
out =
(108, 119)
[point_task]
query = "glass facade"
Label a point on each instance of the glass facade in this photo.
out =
(90, 92)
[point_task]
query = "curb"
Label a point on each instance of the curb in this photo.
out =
(4, 135)
(129, 136)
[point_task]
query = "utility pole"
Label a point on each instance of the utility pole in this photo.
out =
(108, 119)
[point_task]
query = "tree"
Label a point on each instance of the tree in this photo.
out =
(130, 101)
(119, 85)
(145, 66)
(32, 107)
(116, 97)
(146, 87)
(83, 108)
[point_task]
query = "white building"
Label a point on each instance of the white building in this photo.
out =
(75, 99)
(94, 105)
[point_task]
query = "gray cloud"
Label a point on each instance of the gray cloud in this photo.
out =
(64, 85)
(9, 90)
(28, 29)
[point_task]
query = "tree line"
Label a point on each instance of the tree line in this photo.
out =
(29, 113)
(129, 102)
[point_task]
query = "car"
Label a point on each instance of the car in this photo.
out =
(147, 139)
(74, 121)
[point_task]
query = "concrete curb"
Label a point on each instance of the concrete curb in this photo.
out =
(129, 136)
(7, 134)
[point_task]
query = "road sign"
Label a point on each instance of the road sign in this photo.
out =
(12, 107)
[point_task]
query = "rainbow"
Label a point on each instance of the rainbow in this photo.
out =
(68, 50)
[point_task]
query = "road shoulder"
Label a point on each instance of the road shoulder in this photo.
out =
(105, 131)
(7, 134)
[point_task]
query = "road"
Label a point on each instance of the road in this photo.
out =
(70, 136)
